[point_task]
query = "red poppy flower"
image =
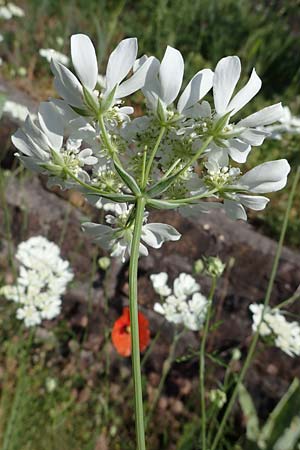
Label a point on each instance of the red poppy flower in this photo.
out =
(121, 335)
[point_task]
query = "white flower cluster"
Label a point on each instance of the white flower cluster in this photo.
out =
(10, 10)
(15, 110)
(286, 335)
(42, 280)
(177, 155)
(184, 304)
(50, 53)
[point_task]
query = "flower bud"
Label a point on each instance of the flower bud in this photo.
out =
(104, 262)
(218, 397)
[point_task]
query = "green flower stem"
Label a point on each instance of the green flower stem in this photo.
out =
(289, 301)
(107, 140)
(193, 198)
(196, 156)
(166, 369)
(134, 325)
(202, 364)
(110, 195)
(152, 156)
(266, 303)
(19, 393)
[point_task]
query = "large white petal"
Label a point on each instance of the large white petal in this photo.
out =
(137, 81)
(245, 94)
(234, 210)
(253, 136)
(170, 75)
(35, 134)
(103, 234)
(238, 150)
(255, 202)
(27, 146)
(193, 211)
(84, 60)
(120, 62)
(197, 88)
(267, 177)
(227, 74)
(155, 234)
(265, 116)
(51, 123)
(67, 84)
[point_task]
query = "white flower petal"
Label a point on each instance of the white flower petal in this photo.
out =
(265, 116)
(120, 62)
(227, 74)
(51, 123)
(27, 146)
(67, 84)
(155, 234)
(159, 309)
(255, 202)
(267, 177)
(103, 234)
(197, 88)
(245, 94)
(84, 60)
(234, 210)
(137, 81)
(238, 150)
(170, 75)
(253, 136)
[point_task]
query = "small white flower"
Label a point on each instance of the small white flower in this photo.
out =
(184, 305)
(50, 53)
(159, 282)
(264, 178)
(165, 79)
(118, 239)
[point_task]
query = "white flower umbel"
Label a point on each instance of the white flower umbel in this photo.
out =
(285, 335)
(43, 278)
(184, 304)
(117, 238)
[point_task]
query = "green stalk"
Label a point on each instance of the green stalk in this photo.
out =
(152, 156)
(134, 325)
(19, 393)
(266, 303)
(197, 155)
(202, 364)
(289, 301)
(107, 140)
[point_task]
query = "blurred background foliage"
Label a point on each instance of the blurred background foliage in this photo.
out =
(263, 33)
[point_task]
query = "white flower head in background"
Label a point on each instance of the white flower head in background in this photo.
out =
(43, 278)
(285, 334)
(16, 110)
(50, 53)
(11, 10)
(184, 305)
(287, 124)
